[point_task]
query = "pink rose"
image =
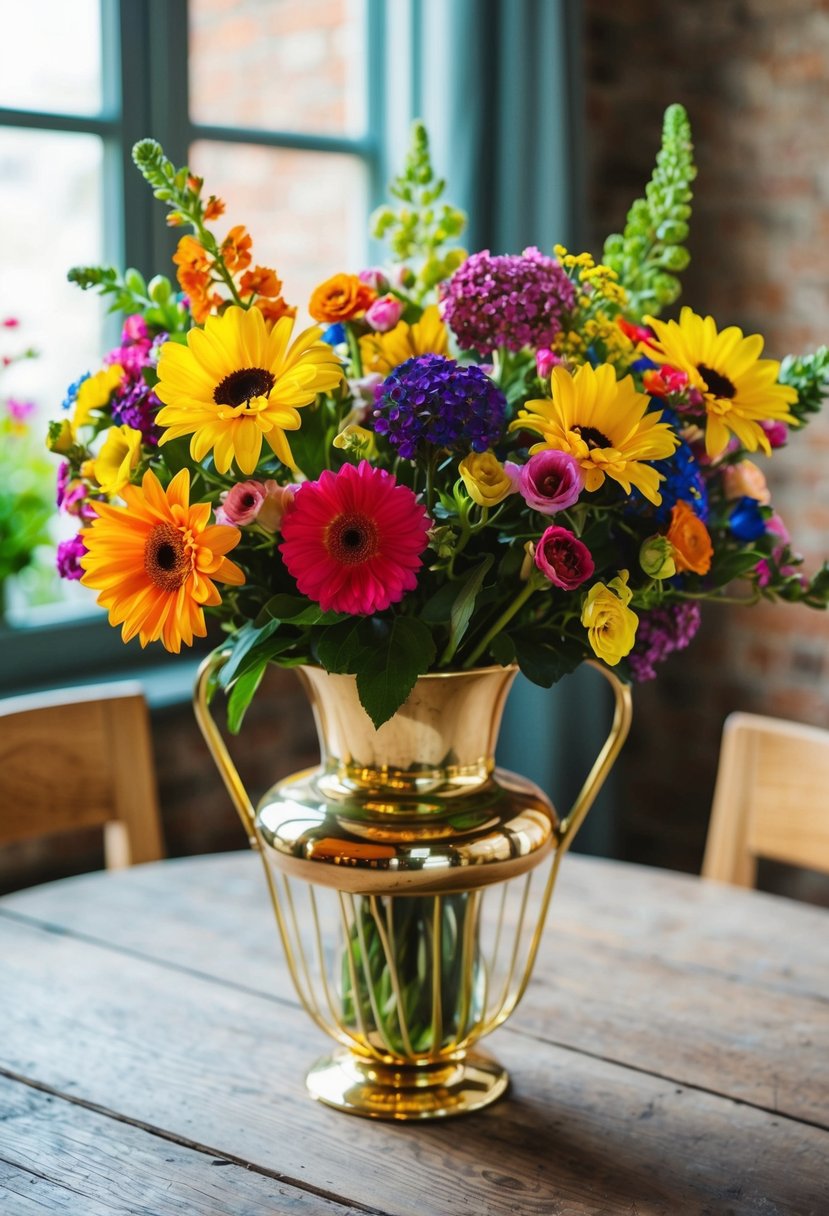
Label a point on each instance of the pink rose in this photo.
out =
(563, 559)
(242, 504)
(551, 481)
(384, 313)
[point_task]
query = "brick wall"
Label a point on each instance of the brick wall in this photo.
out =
(754, 77)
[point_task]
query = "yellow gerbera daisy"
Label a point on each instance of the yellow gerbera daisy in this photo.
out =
(740, 389)
(605, 424)
(154, 561)
(237, 382)
(384, 352)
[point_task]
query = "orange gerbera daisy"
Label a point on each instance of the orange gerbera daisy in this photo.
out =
(153, 561)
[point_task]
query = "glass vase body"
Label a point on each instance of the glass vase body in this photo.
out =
(410, 879)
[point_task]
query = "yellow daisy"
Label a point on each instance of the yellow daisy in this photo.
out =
(237, 382)
(605, 424)
(384, 352)
(740, 389)
(154, 560)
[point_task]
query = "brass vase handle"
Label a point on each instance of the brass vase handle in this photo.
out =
(603, 763)
(221, 756)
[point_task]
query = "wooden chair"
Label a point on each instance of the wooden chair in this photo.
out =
(771, 798)
(80, 758)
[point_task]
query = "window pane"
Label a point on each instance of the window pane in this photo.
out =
(289, 65)
(306, 211)
(50, 56)
(50, 217)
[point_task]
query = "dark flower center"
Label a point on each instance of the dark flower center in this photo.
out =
(166, 557)
(242, 385)
(592, 437)
(352, 539)
(717, 384)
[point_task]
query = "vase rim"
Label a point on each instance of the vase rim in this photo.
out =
(492, 668)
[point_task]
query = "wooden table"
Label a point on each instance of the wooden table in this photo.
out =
(671, 1056)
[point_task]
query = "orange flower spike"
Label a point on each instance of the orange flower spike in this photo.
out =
(235, 248)
(261, 281)
(340, 298)
(214, 208)
(689, 540)
(192, 256)
(272, 310)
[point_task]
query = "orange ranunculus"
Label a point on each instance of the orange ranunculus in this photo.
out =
(214, 207)
(235, 248)
(690, 541)
(340, 298)
(262, 281)
(272, 310)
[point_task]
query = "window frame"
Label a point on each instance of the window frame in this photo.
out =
(145, 91)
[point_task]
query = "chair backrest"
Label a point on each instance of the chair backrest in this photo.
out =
(771, 798)
(79, 758)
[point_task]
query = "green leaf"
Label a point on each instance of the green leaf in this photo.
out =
(728, 566)
(296, 610)
(339, 647)
(545, 662)
(464, 605)
(243, 642)
(242, 694)
(394, 654)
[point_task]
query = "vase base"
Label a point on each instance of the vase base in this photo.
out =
(382, 1091)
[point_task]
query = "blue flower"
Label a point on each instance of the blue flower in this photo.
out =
(432, 400)
(334, 335)
(683, 482)
(746, 520)
(71, 397)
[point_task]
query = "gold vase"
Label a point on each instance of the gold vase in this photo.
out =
(400, 872)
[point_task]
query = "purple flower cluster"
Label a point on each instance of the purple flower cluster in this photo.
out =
(432, 400)
(69, 555)
(137, 407)
(506, 300)
(661, 631)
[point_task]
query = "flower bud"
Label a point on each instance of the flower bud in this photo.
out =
(487, 481)
(357, 441)
(61, 437)
(656, 557)
(384, 313)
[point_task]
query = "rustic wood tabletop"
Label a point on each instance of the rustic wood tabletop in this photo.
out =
(671, 1057)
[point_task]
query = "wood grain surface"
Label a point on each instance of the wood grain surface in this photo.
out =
(671, 1056)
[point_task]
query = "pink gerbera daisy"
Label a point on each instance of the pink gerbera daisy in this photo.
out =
(353, 539)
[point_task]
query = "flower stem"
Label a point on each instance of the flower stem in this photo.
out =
(354, 351)
(506, 616)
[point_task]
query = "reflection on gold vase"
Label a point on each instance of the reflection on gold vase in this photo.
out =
(401, 872)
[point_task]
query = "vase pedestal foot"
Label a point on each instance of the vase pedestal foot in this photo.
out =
(430, 1091)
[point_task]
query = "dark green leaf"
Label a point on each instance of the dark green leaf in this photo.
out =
(243, 642)
(339, 647)
(465, 603)
(242, 694)
(394, 655)
(544, 662)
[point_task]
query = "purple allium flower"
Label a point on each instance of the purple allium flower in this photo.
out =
(69, 555)
(137, 408)
(432, 400)
(550, 481)
(506, 300)
(563, 558)
(661, 631)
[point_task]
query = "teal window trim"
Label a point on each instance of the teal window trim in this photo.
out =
(146, 92)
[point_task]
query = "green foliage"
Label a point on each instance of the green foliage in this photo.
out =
(651, 251)
(809, 375)
(420, 228)
(130, 293)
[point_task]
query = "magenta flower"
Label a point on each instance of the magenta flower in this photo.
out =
(550, 481)
(563, 558)
(375, 278)
(384, 313)
(135, 328)
(20, 411)
(507, 301)
(545, 361)
(69, 555)
(777, 433)
(353, 539)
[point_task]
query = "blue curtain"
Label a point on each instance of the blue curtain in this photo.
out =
(499, 85)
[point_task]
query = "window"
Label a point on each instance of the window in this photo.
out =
(268, 99)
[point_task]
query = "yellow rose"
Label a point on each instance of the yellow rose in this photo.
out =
(95, 393)
(117, 458)
(610, 624)
(487, 481)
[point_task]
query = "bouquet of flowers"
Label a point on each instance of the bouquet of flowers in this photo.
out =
(468, 460)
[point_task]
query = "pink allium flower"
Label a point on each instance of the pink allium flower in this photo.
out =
(384, 313)
(550, 481)
(506, 300)
(353, 539)
(563, 558)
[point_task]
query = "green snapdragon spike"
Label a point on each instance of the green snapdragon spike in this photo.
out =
(418, 230)
(809, 374)
(650, 252)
